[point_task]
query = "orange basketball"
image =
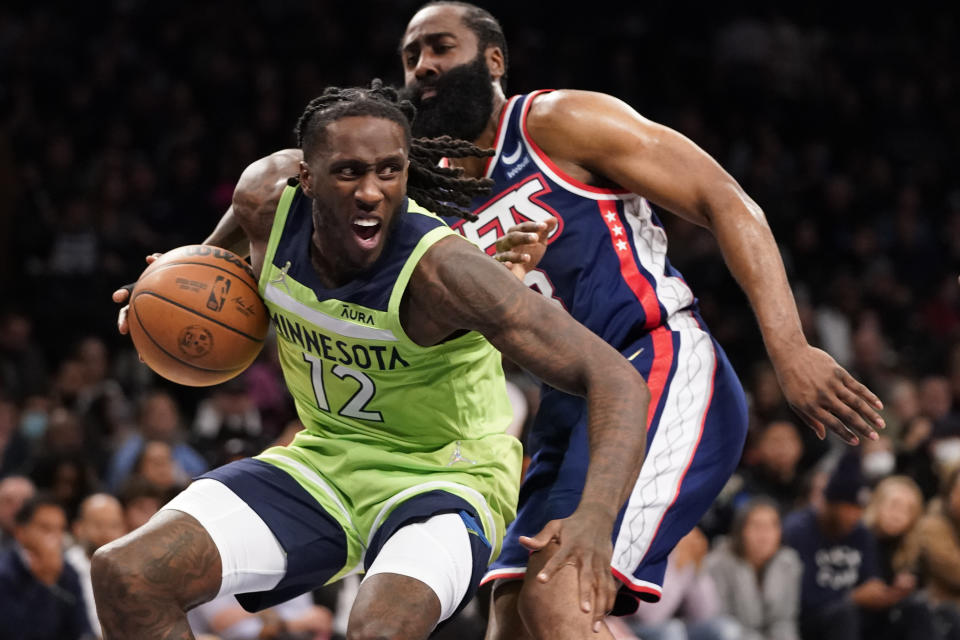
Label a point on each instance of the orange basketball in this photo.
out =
(196, 317)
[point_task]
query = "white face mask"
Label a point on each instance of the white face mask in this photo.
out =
(947, 451)
(878, 464)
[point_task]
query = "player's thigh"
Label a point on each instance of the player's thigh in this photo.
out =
(421, 575)
(275, 541)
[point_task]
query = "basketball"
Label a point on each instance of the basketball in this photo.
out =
(196, 317)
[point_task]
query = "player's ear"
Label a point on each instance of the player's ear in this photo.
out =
(495, 62)
(306, 179)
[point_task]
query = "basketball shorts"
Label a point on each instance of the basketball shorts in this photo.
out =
(276, 541)
(696, 428)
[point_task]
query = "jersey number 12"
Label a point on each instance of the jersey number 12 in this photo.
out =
(356, 406)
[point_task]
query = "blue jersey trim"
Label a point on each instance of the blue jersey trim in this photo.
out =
(372, 288)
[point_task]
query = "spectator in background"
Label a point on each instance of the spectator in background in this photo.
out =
(772, 468)
(13, 446)
(140, 500)
(156, 465)
(768, 406)
(228, 414)
(22, 368)
(158, 419)
(936, 401)
(101, 403)
(689, 607)
(839, 555)
(915, 455)
(63, 435)
(769, 467)
(894, 509)
(99, 521)
(936, 547)
(265, 388)
(758, 579)
(878, 460)
(14, 492)
(298, 619)
(68, 477)
(903, 405)
(40, 596)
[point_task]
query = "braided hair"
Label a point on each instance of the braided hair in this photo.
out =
(442, 190)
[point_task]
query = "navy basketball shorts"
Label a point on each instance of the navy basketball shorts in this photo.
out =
(696, 428)
(276, 541)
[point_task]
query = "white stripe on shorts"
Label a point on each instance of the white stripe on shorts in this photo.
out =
(673, 446)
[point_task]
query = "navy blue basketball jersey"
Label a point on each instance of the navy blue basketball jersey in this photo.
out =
(606, 263)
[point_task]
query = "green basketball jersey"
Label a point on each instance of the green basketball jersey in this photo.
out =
(385, 418)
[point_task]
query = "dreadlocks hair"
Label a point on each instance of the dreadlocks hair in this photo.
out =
(442, 190)
(487, 29)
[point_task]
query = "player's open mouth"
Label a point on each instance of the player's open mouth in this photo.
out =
(367, 231)
(427, 93)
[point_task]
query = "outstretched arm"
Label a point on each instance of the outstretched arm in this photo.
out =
(601, 136)
(456, 287)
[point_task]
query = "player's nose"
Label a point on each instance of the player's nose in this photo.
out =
(368, 193)
(426, 66)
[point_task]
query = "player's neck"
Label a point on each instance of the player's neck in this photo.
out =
(476, 167)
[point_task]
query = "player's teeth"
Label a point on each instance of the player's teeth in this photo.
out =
(366, 223)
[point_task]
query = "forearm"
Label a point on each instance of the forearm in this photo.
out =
(229, 235)
(751, 254)
(616, 429)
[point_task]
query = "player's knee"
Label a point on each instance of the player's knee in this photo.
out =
(116, 573)
(545, 607)
(108, 568)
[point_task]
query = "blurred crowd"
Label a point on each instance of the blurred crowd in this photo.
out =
(124, 124)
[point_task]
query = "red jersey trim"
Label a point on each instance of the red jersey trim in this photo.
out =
(629, 270)
(546, 159)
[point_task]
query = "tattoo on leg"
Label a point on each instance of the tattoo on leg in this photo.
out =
(145, 581)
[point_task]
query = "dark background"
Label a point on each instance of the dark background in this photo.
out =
(123, 126)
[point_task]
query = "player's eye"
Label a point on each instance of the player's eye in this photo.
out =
(389, 171)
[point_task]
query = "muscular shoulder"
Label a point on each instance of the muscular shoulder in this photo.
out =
(455, 286)
(259, 188)
(576, 125)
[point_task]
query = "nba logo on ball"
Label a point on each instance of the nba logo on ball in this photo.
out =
(218, 293)
(195, 341)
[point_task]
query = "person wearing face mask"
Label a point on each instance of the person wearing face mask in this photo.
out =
(757, 578)
(878, 460)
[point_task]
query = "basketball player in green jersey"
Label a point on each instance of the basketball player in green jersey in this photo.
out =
(383, 316)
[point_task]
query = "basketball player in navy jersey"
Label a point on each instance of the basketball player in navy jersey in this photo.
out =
(593, 163)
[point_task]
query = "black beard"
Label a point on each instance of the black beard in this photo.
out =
(462, 105)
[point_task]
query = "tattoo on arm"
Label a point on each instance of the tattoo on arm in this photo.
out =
(462, 288)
